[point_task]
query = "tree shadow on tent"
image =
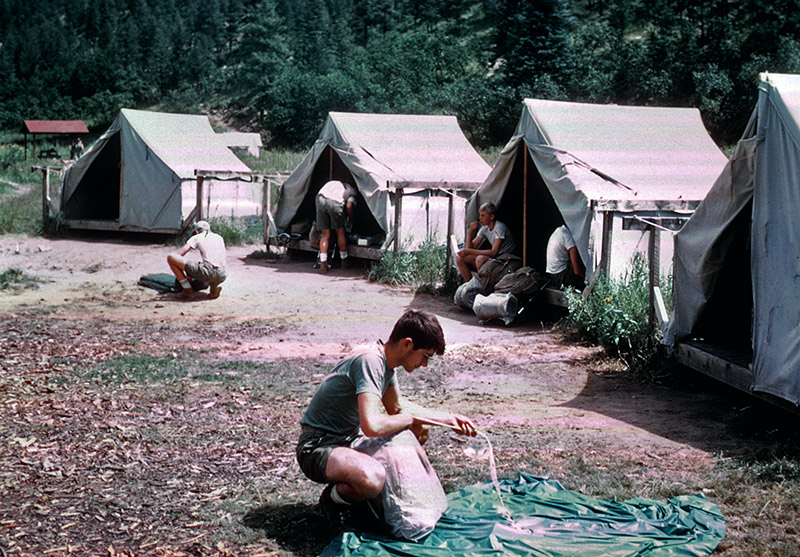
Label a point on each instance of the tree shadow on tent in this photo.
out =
(296, 527)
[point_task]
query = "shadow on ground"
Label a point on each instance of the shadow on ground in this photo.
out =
(687, 407)
(297, 527)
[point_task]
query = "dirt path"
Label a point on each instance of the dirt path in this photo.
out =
(549, 398)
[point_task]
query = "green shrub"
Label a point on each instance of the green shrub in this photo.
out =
(16, 279)
(615, 316)
(235, 231)
(422, 268)
(13, 167)
(239, 231)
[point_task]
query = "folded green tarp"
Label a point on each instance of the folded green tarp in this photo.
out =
(164, 283)
(547, 519)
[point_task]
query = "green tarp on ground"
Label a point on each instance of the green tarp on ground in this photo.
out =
(550, 520)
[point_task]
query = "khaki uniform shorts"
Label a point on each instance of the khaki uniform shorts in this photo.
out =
(313, 449)
(330, 213)
(205, 272)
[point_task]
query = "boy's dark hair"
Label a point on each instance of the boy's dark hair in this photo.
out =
(422, 328)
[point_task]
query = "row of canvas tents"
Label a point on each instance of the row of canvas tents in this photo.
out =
(615, 175)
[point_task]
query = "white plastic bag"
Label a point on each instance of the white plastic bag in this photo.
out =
(413, 499)
(465, 294)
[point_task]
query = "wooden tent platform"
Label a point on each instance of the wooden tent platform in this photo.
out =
(720, 362)
(360, 252)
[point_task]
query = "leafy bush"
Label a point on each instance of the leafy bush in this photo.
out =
(424, 267)
(238, 232)
(12, 166)
(615, 316)
(235, 231)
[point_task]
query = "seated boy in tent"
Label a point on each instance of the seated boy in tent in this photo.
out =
(498, 236)
(564, 264)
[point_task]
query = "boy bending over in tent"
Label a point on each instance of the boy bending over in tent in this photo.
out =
(211, 269)
(493, 231)
(360, 401)
(334, 205)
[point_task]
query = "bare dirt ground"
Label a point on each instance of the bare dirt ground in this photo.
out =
(137, 424)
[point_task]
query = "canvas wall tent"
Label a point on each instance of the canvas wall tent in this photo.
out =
(140, 174)
(600, 169)
(388, 156)
(736, 293)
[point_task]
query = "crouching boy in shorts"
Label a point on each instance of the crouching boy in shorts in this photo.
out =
(361, 396)
(210, 269)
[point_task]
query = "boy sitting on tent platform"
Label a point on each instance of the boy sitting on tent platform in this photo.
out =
(501, 242)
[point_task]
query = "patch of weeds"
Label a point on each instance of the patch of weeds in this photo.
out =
(197, 366)
(423, 268)
(235, 231)
(239, 231)
(137, 368)
(16, 280)
(615, 316)
(21, 214)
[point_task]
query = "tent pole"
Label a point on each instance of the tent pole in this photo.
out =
(266, 211)
(654, 256)
(398, 218)
(605, 256)
(330, 163)
(45, 195)
(199, 202)
(524, 205)
(450, 225)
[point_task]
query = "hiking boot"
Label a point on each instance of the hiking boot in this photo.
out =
(337, 515)
(323, 267)
(346, 263)
(186, 294)
(215, 292)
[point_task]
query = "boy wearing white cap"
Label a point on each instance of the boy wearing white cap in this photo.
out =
(211, 269)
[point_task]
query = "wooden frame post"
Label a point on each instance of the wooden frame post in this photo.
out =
(45, 195)
(398, 218)
(608, 230)
(266, 207)
(524, 204)
(450, 226)
(199, 197)
(654, 261)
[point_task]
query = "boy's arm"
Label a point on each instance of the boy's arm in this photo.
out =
(378, 419)
(427, 416)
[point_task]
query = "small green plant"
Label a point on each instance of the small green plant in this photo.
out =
(235, 231)
(238, 231)
(615, 316)
(16, 280)
(423, 267)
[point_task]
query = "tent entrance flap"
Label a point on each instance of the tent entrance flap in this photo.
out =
(728, 314)
(329, 166)
(528, 209)
(97, 196)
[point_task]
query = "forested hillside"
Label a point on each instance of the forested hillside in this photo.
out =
(279, 66)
